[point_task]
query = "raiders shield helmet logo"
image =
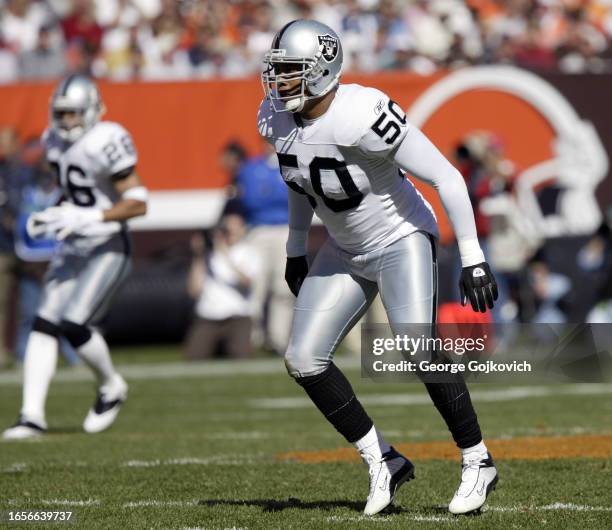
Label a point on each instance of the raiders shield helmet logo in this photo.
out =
(330, 47)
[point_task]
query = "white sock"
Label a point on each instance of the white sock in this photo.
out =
(479, 448)
(38, 369)
(96, 354)
(372, 445)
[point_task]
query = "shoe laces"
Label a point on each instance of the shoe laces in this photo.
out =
(374, 469)
(470, 469)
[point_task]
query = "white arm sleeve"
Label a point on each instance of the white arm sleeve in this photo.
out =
(300, 218)
(419, 157)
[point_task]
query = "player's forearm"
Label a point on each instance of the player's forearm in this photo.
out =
(456, 201)
(421, 158)
(133, 202)
(124, 210)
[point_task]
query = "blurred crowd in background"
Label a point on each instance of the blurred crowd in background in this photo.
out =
(187, 39)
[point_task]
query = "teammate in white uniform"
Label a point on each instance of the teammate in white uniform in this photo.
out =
(343, 150)
(95, 165)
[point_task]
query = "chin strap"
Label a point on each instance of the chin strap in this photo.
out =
(296, 104)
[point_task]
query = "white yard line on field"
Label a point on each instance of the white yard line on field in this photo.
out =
(557, 506)
(176, 370)
(240, 435)
(164, 371)
(358, 519)
(576, 507)
(69, 502)
(224, 460)
(434, 518)
(391, 519)
(55, 502)
(408, 399)
(146, 503)
(15, 467)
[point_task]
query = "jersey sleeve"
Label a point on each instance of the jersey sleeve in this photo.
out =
(47, 141)
(264, 121)
(420, 157)
(112, 151)
(300, 219)
(383, 124)
(45, 138)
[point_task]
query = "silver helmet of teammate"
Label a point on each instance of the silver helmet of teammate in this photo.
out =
(303, 50)
(76, 93)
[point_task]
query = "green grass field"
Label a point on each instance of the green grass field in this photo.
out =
(197, 446)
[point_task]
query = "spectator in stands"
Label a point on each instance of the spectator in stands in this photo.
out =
(9, 65)
(82, 37)
(262, 195)
(549, 289)
(123, 56)
(20, 23)
(46, 60)
(82, 27)
(582, 46)
(260, 35)
(202, 52)
(359, 30)
(163, 56)
(125, 24)
(166, 39)
(530, 52)
(233, 157)
(221, 280)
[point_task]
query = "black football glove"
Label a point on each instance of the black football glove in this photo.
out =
(295, 272)
(478, 284)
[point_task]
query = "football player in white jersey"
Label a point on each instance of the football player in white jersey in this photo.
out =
(342, 151)
(95, 164)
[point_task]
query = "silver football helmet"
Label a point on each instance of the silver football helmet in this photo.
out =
(303, 50)
(76, 93)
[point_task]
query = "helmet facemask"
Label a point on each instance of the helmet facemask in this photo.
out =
(77, 96)
(279, 68)
(88, 118)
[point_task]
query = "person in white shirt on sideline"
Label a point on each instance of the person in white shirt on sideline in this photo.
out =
(221, 281)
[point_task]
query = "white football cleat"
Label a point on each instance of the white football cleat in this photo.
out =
(478, 478)
(386, 476)
(24, 430)
(106, 408)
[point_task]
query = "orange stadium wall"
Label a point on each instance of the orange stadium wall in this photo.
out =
(181, 128)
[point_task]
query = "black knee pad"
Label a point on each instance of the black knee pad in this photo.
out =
(45, 326)
(76, 334)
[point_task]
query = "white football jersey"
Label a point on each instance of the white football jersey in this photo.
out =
(341, 162)
(85, 171)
